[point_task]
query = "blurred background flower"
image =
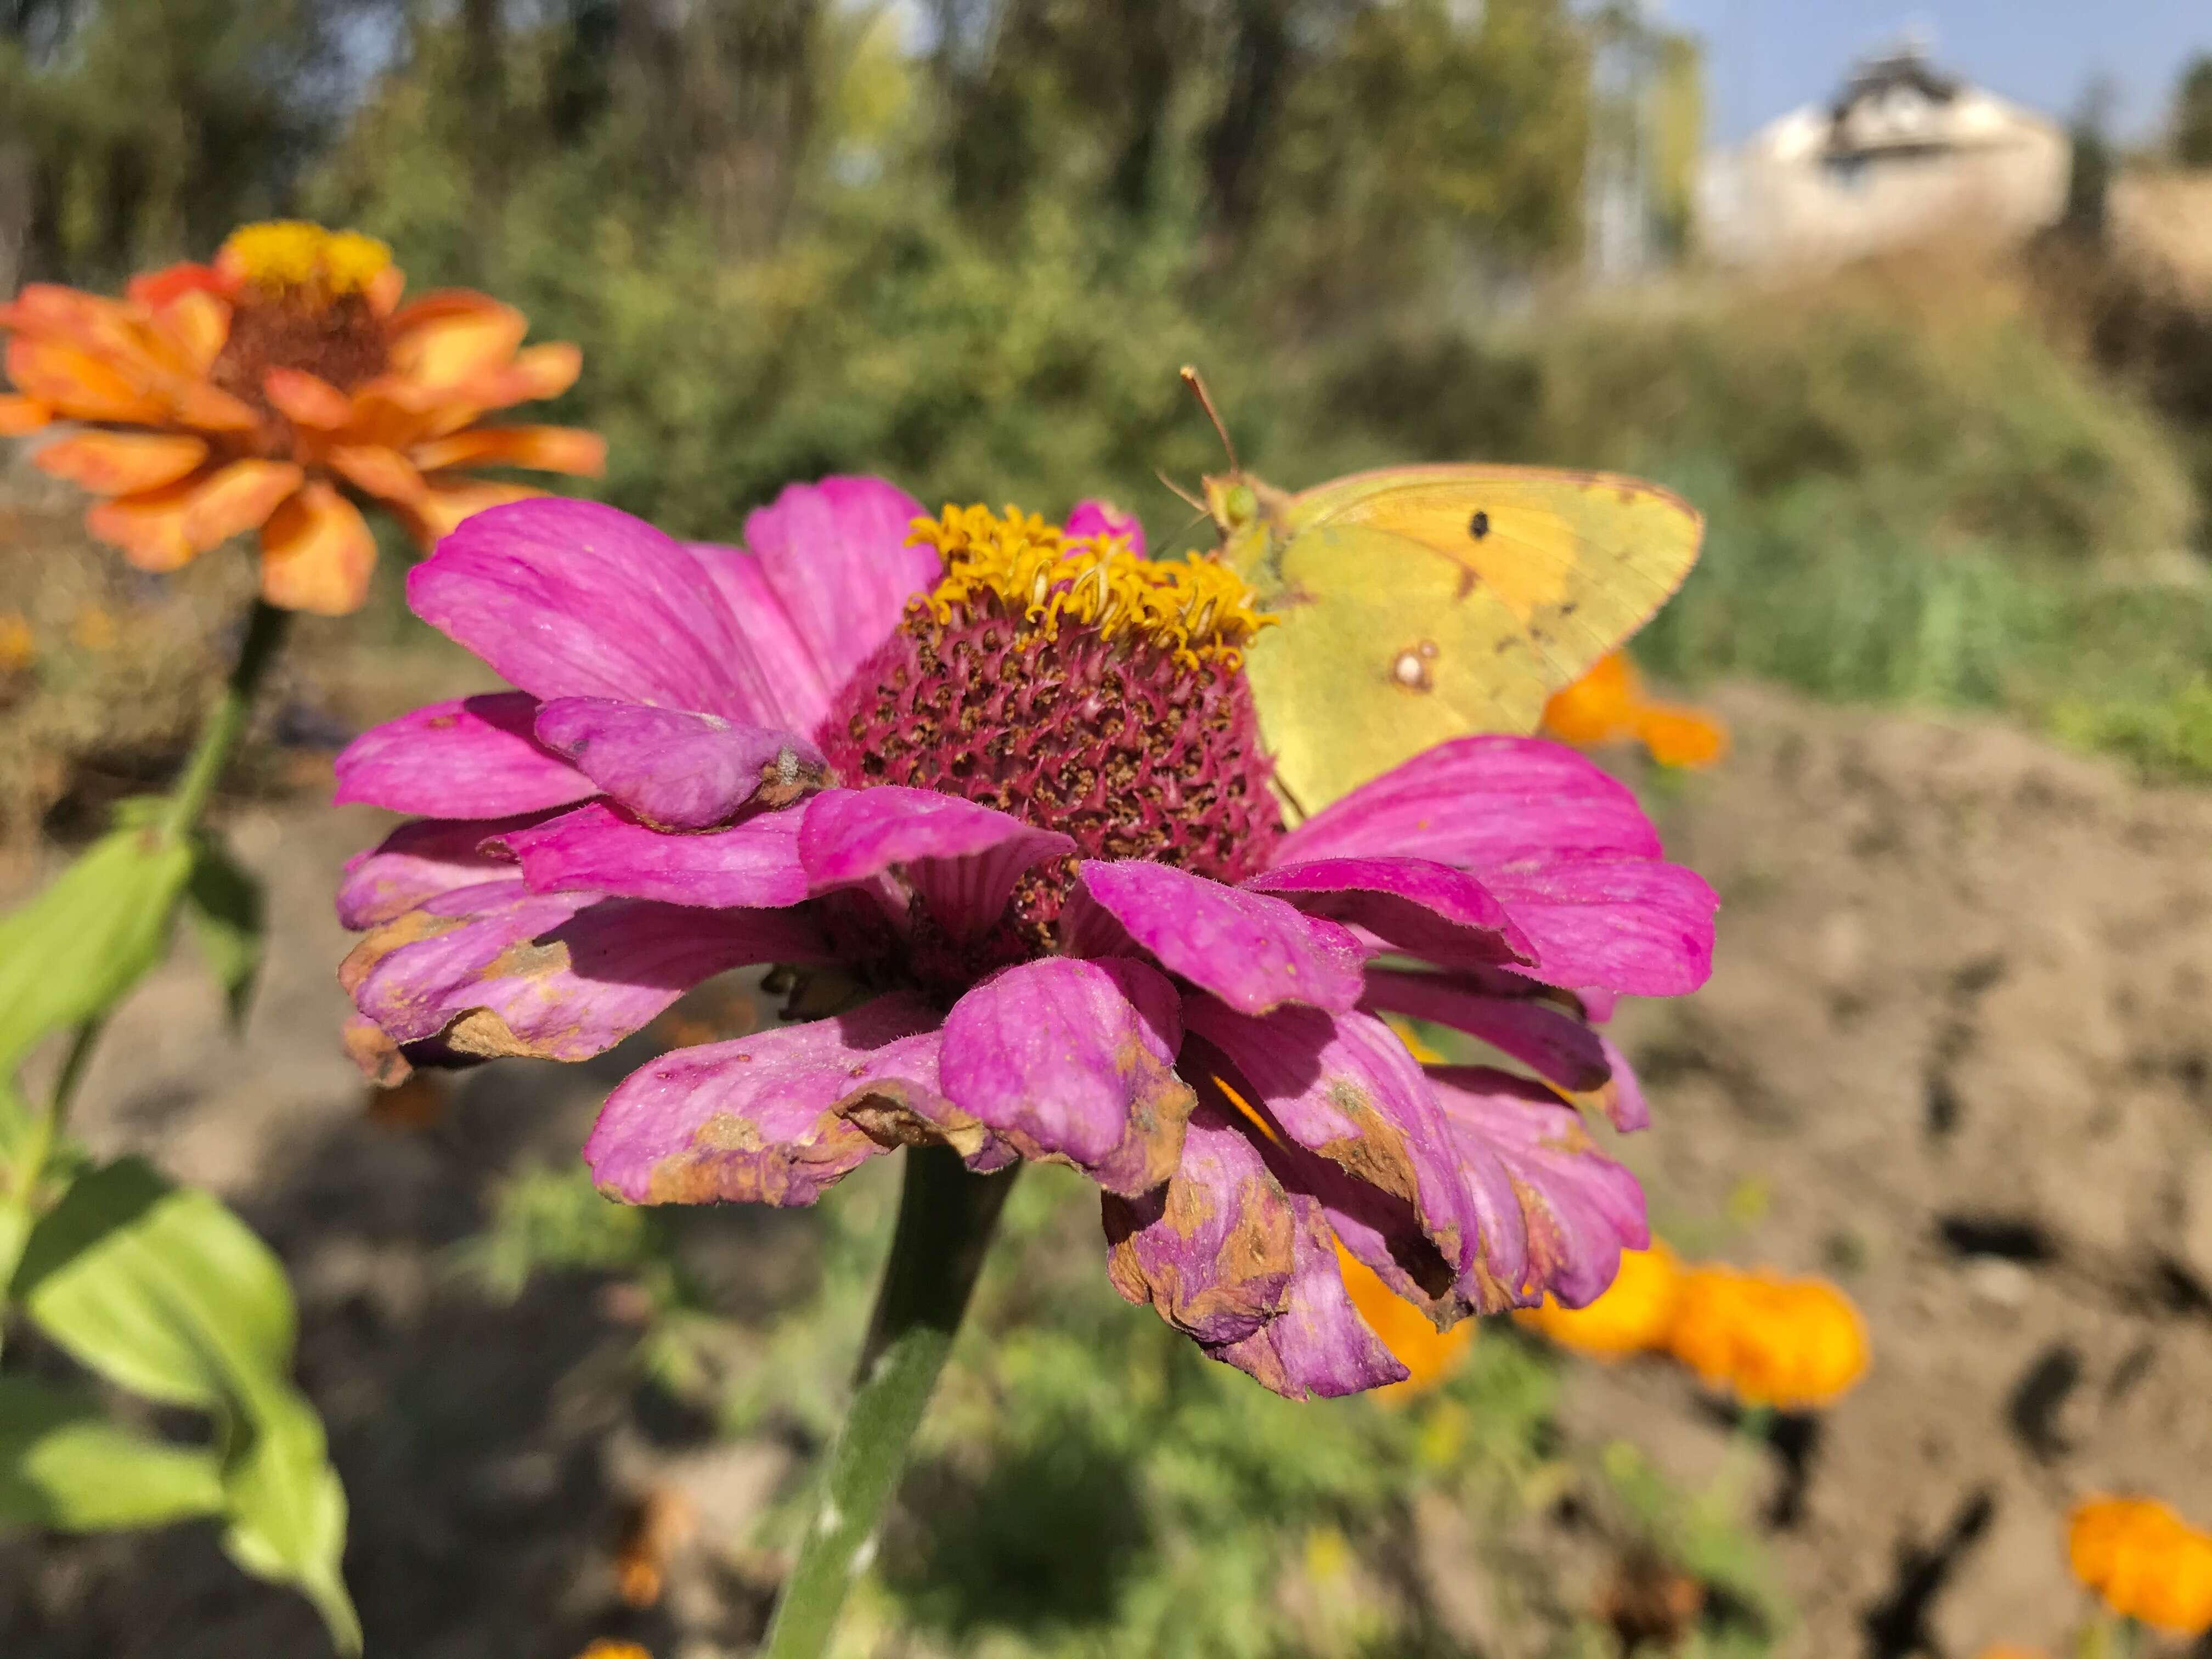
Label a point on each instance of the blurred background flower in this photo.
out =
(1788, 1343)
(2144, 1561)
(1609, 705)
(261, 392)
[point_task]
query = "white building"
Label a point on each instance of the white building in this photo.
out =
(1905, 154)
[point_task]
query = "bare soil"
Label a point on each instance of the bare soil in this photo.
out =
(1956, 1054)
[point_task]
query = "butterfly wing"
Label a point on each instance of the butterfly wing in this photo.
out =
(1420, 603)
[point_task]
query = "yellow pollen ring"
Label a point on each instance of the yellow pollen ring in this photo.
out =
(1198, 609)
(285, 255)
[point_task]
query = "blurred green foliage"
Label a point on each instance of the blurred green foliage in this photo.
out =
(1088, 1485)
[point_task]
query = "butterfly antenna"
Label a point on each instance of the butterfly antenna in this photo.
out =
(1180, 494)
(1196, 382)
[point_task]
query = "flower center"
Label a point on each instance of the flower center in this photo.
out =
(1078, 687)
(300, 299)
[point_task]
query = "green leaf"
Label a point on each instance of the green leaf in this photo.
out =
(63, 1464)
(163, 1290)
(72, 951)
(225, 903)
(158, 1288)
(287, 1510)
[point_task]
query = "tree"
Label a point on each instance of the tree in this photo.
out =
(2192, 113)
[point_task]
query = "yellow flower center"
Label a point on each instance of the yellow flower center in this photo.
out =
(1197, 609)
(286, 256)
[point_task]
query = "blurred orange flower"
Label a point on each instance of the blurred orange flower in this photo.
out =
(1635, 1315)
(606, 1648)
(659, 1527)
(2144, 1560)
(262, 391)
(1608, 705)
(1789, 1343)
(1429, 1354)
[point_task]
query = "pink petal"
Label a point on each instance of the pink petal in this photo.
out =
(1578, 1207)
(1543, 1035)
(1097, 518)
(1565, 848)
(472, 758)
(1074, 1060)
(1623, 1097)
(1318, 1345)
(1418, 906)
(752, 864)
(417, 861)
(570, 598)
(1253, 951)
(494, 969)
(780, 678)
(837, 554)
(962, 857)
(674, 768)
(1211, 1249)
(1343, 1088)
(764, 1120)
(1641, 929)
(1478, 803)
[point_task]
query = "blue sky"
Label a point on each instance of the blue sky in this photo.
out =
(1767, 56)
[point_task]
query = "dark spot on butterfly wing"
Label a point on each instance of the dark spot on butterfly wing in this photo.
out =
(1479, 526)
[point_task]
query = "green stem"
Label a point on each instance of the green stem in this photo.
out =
(218, 735)
(945, 1220)
(226, 721)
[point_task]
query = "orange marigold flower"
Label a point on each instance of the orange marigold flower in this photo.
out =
(1634, 1314)
(607, 1647)
(1789, 1343)
(1429, 1354)
(272, 390)
(2144, 1560)
(1608, 705)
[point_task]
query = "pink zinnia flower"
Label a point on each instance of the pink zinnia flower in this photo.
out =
(1006, 783)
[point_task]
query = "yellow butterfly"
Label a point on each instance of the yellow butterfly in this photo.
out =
(1422, 603)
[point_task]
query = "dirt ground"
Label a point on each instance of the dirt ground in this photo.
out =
(1956, 1054)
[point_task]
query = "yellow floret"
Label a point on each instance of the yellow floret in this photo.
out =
(1198, 608)
(285, 254)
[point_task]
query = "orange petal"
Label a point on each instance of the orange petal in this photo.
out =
(1681, 737)
(121, 463)
(309, 399)
(74, 382)
(542, 371)
(316, 554)
(197, 323)
(238, 498)
(385, 289)
(384, 473)
(1598, 707)
(205, 407)
(443, 506)
(18, 414)
(543, 448)
(445, 339)
(150, 527)
(159, 289)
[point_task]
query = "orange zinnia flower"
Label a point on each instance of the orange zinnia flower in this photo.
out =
(259, 392)
(1607, 705)
(2144, 1560)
